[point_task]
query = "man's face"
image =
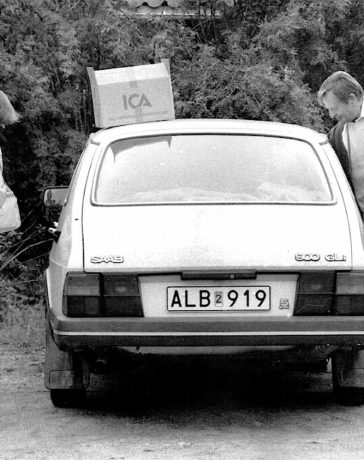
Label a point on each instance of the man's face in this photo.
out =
(340, 110)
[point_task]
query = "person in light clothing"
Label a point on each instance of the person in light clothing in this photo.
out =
(342, 95)
(8, 116)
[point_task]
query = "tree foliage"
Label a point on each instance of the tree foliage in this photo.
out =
(257, 59)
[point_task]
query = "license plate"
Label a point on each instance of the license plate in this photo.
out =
(222, 298)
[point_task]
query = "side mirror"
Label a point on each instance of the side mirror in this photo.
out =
(54, 198)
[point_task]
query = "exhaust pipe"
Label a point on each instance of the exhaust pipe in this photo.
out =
(100, 366)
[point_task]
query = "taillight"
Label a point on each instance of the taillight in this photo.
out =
(96, 295)
(315, 294)
(349, 299)
(121, 296)
(82, 295)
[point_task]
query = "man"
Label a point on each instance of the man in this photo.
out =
(343, 96)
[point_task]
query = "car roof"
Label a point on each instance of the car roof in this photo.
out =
(224, 126)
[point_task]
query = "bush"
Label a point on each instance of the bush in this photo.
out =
(262, 59)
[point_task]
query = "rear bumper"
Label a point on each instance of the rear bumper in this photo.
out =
(71, 333)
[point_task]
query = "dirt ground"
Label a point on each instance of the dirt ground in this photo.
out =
(189, 410)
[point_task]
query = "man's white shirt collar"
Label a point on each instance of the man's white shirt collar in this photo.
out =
(344, 134)
(361, 111)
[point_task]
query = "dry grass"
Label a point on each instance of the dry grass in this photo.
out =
(24, 326)
(21, 321)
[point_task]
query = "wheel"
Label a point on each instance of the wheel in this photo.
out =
(68, 398)
(348, 396)
(346, 374)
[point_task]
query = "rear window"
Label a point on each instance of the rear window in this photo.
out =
(210, 169)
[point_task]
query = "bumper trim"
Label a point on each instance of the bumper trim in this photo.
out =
(209, 334)
(72, 333)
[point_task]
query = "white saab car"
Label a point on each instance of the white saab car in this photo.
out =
(205, 236)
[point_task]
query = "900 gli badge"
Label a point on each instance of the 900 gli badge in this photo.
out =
(315, 257)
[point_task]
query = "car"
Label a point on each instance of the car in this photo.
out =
(208, 237)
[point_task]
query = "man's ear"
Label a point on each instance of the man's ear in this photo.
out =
(352, 98)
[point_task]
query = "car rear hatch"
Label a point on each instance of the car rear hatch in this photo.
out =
(214, 222)
(182, 250)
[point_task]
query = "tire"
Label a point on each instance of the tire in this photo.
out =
(348, 396)
(68, 398)
(342, 365)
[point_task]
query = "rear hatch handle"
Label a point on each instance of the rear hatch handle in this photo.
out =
(219, 275)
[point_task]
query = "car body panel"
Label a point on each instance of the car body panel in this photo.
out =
(213, 237)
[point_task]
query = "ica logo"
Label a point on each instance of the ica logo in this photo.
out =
(135, 100)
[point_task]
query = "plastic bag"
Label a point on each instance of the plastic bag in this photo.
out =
(9, 213)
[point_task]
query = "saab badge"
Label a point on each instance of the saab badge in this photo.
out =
(107, 259)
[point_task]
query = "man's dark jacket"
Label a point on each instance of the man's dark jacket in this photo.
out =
(336, 140)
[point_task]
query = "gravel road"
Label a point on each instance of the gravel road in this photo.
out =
(188, 410)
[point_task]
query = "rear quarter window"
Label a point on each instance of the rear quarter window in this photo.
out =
(210, 169)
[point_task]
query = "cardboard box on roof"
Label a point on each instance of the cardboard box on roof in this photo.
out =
(128, 95)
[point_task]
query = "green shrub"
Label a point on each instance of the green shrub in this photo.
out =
(262, 59)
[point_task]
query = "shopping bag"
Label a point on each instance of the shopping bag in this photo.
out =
(9, 213)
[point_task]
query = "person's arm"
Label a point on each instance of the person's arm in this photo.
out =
(336, 141)
(2, 183)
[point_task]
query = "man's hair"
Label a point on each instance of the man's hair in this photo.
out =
(8, 114)
(342, 84)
